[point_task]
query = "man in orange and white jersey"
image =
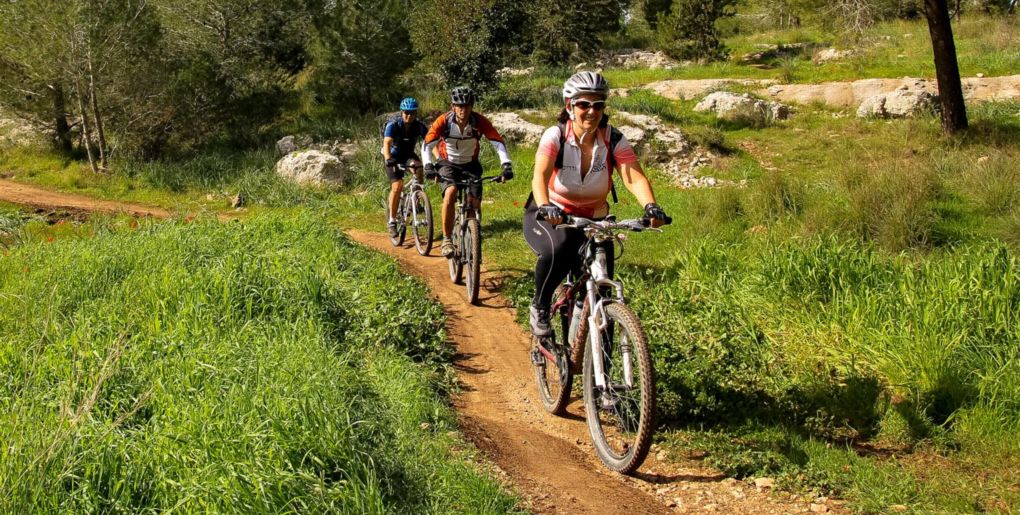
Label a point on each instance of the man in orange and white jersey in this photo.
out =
(455, 137)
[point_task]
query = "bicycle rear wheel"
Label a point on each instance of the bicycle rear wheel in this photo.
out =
(621, 416)
(553, 376)
(422, 222)
(473, 258)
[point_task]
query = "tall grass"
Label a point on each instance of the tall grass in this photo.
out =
(259, 367)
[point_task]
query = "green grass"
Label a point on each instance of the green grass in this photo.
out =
(262, 366)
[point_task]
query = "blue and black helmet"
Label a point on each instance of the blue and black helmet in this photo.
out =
(409, 104)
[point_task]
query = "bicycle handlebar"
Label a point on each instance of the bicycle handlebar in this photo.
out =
(470, 181)
(578, 222)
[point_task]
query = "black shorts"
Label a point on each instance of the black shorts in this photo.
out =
(396, 174)
(450, 173)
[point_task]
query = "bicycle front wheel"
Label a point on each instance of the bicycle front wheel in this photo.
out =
(455, 261)
(422, 222)
(473, 258)
(621, 415)
(553, 376)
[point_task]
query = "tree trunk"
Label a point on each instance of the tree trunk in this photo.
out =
(63, 129)
(100, 133)
(86, 138)
(954, 111)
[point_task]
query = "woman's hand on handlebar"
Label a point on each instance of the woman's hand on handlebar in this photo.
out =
(550, 213)
(656, 216)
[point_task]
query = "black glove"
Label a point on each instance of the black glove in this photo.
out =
(654, 212)
(550, 212)
(508, 172)
(430, 171)
(391, 162)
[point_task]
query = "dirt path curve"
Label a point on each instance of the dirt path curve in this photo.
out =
(28, 195)
(550, 459)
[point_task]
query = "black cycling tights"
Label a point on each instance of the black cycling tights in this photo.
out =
(557, 252)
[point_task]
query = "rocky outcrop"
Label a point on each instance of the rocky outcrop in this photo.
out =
(767, 53)
(831, 54)
(682, 89)
(639, 59)
(668, 147)
(662, 141)
(312, 167)
(743, 108)
(515, 128)
(850, 95)
(897, 104)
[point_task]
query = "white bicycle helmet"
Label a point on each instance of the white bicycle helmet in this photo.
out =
(585, 82)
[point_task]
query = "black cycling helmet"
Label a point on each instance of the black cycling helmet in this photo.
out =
(581, 83)
(462, 95)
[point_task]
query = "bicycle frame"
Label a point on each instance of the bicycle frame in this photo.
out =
(596, 278)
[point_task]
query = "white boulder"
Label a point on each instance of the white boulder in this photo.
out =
(737, 107)
(897, 104)
(312, 167)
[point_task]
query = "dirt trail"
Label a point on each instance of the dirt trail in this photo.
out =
(27, 195)
(550, 459)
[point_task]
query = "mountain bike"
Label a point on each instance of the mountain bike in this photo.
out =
(589, 316)
(467, 239)
(414, 211)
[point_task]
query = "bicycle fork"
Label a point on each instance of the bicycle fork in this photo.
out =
(599, 321)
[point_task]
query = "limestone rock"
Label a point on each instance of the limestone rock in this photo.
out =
(288, 144)
(312, 167)
(735, 107)
(515, 128)
(897, 104)
(642, 59)
(831, 54)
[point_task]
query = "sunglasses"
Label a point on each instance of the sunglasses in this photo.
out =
(585, 105)
(462, 105)
(410, 113)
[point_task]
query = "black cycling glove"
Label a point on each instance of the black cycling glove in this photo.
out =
(654, 212)
(430, 171)
(548, 211)
(508, 172)
(391, 161)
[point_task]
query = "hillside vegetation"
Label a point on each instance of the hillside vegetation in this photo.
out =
(255, 367)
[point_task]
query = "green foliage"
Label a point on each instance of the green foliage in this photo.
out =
(472, 47)
(260, 366)
(357, 50)
(565, 28)
(689, 29)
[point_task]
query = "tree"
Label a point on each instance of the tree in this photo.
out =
(356, 52)
(467, 47)
(587, 23)
(689, 30)
(947, 72)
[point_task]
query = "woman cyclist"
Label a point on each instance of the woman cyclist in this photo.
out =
(573, 176)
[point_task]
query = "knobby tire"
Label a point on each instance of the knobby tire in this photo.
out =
(635, 436)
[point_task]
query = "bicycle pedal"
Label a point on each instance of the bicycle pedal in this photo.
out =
(536, 357)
